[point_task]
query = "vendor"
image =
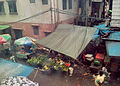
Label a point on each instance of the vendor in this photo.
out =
(52, 54)
(28, 49)
(67, 64)
(71, 71)
(12, 58)
(99, 79)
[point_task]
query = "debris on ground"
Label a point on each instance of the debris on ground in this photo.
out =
(85, 74)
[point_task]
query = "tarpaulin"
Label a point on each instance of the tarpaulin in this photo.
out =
(102, 26)
(69, 39)
(2, 27)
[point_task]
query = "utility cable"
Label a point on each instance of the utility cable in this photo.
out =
(75, 14)
(62, 12)
(40, 13)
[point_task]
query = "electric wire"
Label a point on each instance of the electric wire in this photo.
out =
(40, 13)
(62, 12)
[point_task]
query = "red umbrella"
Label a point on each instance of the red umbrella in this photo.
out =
(4, 38)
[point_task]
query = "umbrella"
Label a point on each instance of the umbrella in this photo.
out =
(4, 38)
(18, 81)
(26, 41)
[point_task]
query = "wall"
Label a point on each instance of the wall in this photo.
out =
(30, 9)
(115, 13)
(26, 9)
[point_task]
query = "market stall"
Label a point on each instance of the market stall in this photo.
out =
(24, 47)
(5, 40)
(46, 63)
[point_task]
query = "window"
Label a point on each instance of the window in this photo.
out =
(12, 7)
(64, 4)
(32, 1)
(36, 30)
(44, 2)
(70, 4)
(2, 11)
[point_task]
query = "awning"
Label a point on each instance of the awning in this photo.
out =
(113, 48)
(69, 39)
(2, 27)
(113, 44)
(97, 0)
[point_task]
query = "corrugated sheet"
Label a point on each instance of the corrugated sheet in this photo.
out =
(115, 14)
(113, 48)
(115, 36)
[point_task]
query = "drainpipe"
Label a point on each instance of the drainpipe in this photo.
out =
(86, 13)
(57, 12)
(54, 14)
(51, 16)
(77, 18)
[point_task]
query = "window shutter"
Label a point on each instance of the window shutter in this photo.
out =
(44, 2)
(32, 1)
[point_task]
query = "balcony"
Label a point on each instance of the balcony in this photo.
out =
(97, 0)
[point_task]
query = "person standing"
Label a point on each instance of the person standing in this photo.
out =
(71, 71)
(99, 79)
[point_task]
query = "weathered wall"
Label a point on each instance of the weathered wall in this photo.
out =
(26, 9)
(115, 13)
(28, 29)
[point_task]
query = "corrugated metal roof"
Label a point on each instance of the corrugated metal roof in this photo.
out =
(115, 13)
(115, 36)
(113, 48)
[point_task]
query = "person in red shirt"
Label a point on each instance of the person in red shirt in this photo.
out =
(67, 64)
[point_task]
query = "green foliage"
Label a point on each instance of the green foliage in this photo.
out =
(33, 61)
(38, 60)
(45, 60)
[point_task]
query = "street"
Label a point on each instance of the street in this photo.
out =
(59, 79)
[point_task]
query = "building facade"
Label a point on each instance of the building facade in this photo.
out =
(34, 18)
(91, 8)
(115, 22)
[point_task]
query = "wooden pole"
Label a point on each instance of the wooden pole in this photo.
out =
(36, 73)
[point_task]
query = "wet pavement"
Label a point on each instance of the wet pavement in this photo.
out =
(59, 79)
